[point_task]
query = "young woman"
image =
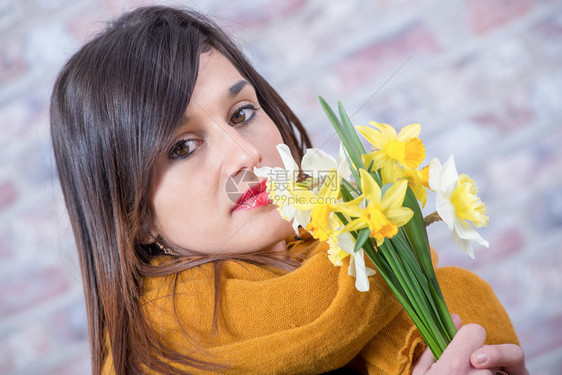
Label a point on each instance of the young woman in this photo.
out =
(152, 121)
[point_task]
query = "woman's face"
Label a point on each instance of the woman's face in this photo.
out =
(210, 166)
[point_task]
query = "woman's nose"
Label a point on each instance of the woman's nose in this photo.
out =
(238, 152)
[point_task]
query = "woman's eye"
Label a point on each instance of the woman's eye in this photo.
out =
(243, 114)
(183, 149)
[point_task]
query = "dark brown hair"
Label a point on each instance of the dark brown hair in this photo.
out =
(115, 106)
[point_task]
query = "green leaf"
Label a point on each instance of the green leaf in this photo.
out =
(346, 188)
(397, 286)
(385, 188)
(361, 239)
(409, 259)
(350, 131)
(415, 295)
(417, 233)
(346, 137)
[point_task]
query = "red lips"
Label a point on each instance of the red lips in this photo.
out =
(255, 196)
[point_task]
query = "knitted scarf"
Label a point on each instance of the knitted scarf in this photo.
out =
(307, 321)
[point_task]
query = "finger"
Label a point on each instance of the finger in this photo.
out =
(455, 358)
(424, 362)
(457, 320)
(508, 356)
(468, 339)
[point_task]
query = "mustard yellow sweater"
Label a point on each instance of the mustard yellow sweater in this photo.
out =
(307, 321)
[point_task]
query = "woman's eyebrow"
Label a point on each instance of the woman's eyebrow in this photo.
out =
(232, 92)
(236, 88)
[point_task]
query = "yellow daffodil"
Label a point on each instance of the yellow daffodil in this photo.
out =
(417, 181)
(320, 205)
(341, 246)
(404, 148)
(381, 214)
(457, 204)
(338, 241)
(336, 254)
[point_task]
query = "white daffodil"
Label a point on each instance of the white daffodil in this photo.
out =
(318, 164)
(278, 182)
(341, 246)
(358, 269)
(457, 203)
(282, 183)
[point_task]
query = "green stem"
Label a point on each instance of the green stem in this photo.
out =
(390, 278)
(408, 255)
(414, 294)
(404, 261)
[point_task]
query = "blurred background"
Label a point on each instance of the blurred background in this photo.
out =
(483, 77)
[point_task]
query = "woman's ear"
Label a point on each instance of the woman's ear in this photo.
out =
(146, 235)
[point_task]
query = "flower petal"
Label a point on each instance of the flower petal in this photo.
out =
(464, 234)
(399, 216)
(445, 209)
(346, 242)
(330, 188)
(463, 244)
(388, 131)
(295, 224)
(356, 224)
(377, 158)
(317, 160)
(420, 192)
(288, 212)
(390, 171)
(266, 172)
(369, 186)
(361, 278)
(434, 174)
(374, 137)
(394, 197)
(302, 218)
(287, 158)
(467, 232)
(342, 164)
(467, 204)
(351, 269)
(352, 208)
(449, 176)
(303, 199)
(408, 132)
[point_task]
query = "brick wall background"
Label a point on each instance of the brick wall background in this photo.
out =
(483, 77)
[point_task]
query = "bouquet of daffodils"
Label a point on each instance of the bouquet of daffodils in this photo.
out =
(377, 212)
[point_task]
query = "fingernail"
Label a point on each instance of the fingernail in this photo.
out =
(481, 357)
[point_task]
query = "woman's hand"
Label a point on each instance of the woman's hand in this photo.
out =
(467, 354)
(507, 356)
